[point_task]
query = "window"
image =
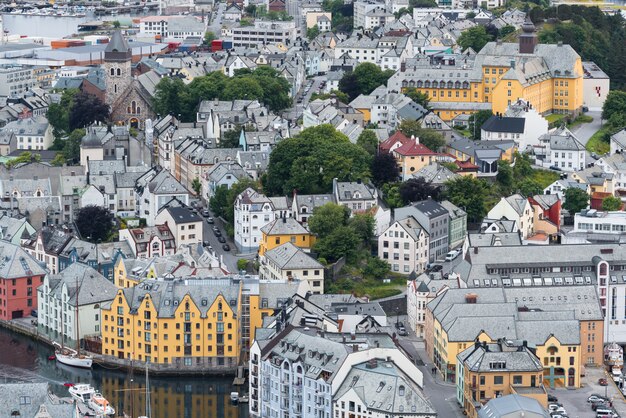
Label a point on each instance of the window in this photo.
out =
(498, 380)
(517, 380)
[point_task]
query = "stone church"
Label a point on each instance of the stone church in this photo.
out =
(129, 100)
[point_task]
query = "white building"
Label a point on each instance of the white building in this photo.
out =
(355, 195)
(362, 7)
(184, 223)
(515, 208)
(171, 27)
(264, 32)
(15, 79)
(521, 123)
(405, 246)
(154, 190)
(563, 150)
(253, 211)
(150, 241)
(599, 222)
(289, 262)
(72, 297)
(313, 373)
(618, 142)
(596, 85)
(32, 133)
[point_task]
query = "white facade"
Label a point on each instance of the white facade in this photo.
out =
(416, 300)
(535, 126)
(264, 32)
(515, 208)
(600, 222)
(252, 212)
(405, 246)
(15, 80)
(596, 85)
(187, 230)
(361, 8)
(171, 27)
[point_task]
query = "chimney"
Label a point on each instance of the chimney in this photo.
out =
(475, 250)
(471, 298)
(513, 63)
(284, 220)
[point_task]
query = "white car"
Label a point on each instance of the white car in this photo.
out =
(452, 255)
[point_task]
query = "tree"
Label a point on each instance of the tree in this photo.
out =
(209, 37)
(470, 194)
(230, 139)
(410, 128)
(87, 109)
(94, 223)
(368, 141)
(476, 122)
(326, 218)
(611, 204)
(505, 30)
(528, 187)
(71, 147)
(505, 177)
(391, 195)
(339, 95)
(575, 200)
(59, 113)
(242, 264)
(384, 169)
(363, 225)
(418, 97)
(430, 138)
(219, 201)
(414, 190)
(475, 37)
(376, 268)
(116, 24)
(615, 104)
(310, 161)
(196, 186)
(58, 160)
(420, 4)
(311, 33)
(536, 14)
(363, 80)
(341, 242)
(24, 157)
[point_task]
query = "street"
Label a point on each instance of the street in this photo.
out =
(215, 25)
(584, 131)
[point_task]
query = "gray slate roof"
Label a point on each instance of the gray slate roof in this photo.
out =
(92, 286)
(15, 262)
(25, 399)
(288, 256)
(513, 404)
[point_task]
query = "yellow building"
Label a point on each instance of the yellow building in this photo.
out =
(283, 230)
(550, 77)
(412, 157)
(196, 324)
(490, 370)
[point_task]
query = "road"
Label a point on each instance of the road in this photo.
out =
(215, 25)
(584, 131)
(301, 101)
(228, 257)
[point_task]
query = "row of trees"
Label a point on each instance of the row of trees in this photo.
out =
(478, 36)
(264, 84)
(363, 80)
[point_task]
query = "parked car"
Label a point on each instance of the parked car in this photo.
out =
(596, 398)
(226, 247)
(603, 382)
(221, 239)
(554, 407)
(205, 244)
(600, 406)
(33, 313)
(210, 220)
(217, 232)
(402, 331)
(555, 168)
(206, 213)
(552, 398)
(452, 255)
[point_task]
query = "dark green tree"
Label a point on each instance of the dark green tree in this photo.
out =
(505, 177)
(311, 33)
(430, 138)
(505, 30)
(384, 169)
(475, 37)
(363, 80)
(326, 218)
(391, 195)
(71, 146)
(196, 186)
(376, 268)
(209, 37)
(469, 193)
(342, 242)
(615, 104)
(59, 113)
(368, 141)
(94, 223)
(575, 200)
(418, 97)
(414, 190)
(363, 225)
(476, 121)
(87, 109)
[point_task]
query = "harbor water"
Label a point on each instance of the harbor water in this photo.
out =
(52, 26)
(24, 360)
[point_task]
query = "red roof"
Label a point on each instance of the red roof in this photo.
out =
(388, 143)
(466, 165)
(413, 148)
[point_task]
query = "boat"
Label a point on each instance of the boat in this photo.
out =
(243, 399)
(52, 357)
(67, 356)
(100, 405)
(82, 392)
(614, 355)
(234, 397)
(68, 384)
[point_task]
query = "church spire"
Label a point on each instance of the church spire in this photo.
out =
(118, 48)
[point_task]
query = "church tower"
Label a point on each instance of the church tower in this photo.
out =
(117, 67)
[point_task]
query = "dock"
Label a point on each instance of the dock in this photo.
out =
(91, 26)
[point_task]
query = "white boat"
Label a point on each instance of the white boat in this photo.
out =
(74, 360)
(614, 355)
(234, 397)
(82, 392)
(100, 405)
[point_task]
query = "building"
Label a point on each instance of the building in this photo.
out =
(46, 245)
(253, 211)
(150, 241)
(596, 85)
(434, 218)
(35, 400)
(328, 374)
(171, 27)
(15, 80)
(14, 230)
(264, 32)
(355, 195)
(288, 262)
(154, 189)
(412, 157)
(20, 274)
(283, 230)
(550, 77)
(223, 174)
(68, 307)
(488, 371)
(202, 325)
(405, 246)
(184, 223)
(31, 133)
(618, 142)
(563, 150)
(515, 208)
(480, 155)
(513, 406)
(520, 123)
(598, 222)
(302, 206)
(457, 229)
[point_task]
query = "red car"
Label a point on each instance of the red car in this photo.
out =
(603, 382)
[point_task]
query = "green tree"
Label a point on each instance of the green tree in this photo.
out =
(475, 37)
(339, 95)
(376, 268)
(169, 95)
(523, 166)
(230, 139)
(363, 225)
(615, 104)
(59, 113)
(58, 160)
(430, 138)
(420, 4)
(116, 24)
(209, 37)
(310, 161)
(391, 195)
(476, 121)
(363, 80)
(223, 200)
(24, 157)
(528, 187)
(418, 97)
(575, 200)
(368, 141)
(611, 204)
(469, 193)
(87, 109)
(326, 218)
(410, 128)
(505, 177)
(242, 264)
(341, 242)
(71, 147)
(196, 186)
(414, 190)
(94, 223)
(311, 33)
(505, 30)
(251, 10)
(219, 201)
(384, 169)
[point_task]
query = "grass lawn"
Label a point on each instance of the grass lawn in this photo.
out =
(554, 117)
(544, 177)
(597, 143)
(466, 133)
(375, 289)
(580, 120)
